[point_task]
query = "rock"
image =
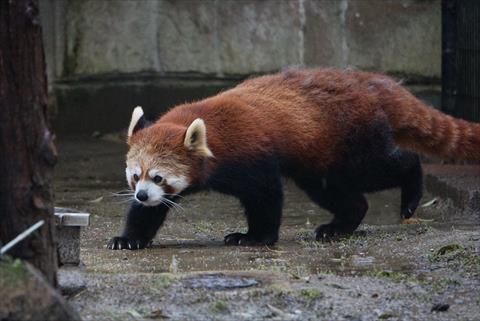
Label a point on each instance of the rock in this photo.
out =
(71, 280)
(440, 307)
(26, 295)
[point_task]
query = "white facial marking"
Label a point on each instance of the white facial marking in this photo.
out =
(128, 174)
(153, 172)
(137, 170)
(130, 171)
(155, 193)
(179, 183)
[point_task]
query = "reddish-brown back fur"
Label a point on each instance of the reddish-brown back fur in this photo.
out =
(306, 117)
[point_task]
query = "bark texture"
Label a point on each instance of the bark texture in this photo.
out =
(27, 151)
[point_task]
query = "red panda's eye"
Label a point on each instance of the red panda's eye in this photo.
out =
(135, 177)
(157, 179)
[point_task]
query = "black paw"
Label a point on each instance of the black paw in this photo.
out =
(407, 212)
(248, 239)
(331, 232)
(124, 243)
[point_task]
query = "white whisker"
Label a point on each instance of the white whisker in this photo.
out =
(128, 200)
(172, 205)
(174, 195)
(121, 195)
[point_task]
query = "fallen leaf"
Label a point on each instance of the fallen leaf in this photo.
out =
(157, 314)
(97, 200)
(134, 314)
(411, 221)
(429, 203)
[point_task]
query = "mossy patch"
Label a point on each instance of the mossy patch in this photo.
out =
(458, 257)
(204, 227)
(386, 316)
(443, 284)
(450, 248)
(394, 276)
(164, 280)
(12, 272)
(220, 306)
(311, 294)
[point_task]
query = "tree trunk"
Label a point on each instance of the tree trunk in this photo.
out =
(27, 152)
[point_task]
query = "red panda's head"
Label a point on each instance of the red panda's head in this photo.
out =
(163, 157)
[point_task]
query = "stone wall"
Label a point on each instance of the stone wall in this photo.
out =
(97, 42)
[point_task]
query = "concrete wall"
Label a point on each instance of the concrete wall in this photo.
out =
(102, 43)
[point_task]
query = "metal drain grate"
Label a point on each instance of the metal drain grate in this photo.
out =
(461, 58)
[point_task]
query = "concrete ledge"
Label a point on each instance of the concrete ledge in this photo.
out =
(458, 183)
(69, 222)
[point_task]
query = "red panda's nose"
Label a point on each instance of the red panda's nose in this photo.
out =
(142, 195)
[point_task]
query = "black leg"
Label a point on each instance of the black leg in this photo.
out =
(348, 214)
(263, 213)
(348, 207)
(259, 188)
(399, 169)
(142, 223)
(412, 187)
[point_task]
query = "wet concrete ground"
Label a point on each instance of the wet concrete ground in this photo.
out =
(385, 271)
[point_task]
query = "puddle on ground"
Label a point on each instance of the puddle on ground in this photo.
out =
(219, 281)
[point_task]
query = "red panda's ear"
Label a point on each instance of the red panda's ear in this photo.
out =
(137, 122)
(196, 138)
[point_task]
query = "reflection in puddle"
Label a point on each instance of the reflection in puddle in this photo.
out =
(219, 281)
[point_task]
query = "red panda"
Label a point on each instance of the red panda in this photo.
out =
(336, 133)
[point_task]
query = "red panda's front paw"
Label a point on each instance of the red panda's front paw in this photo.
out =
(238, 239)
(248, 240)
(124, 243)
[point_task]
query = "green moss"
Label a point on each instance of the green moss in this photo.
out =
(423, 228)
(386, 315)
(311, 294)
(164, 280)
(323, 272)
(395, 276)
(304, 236)
(278, 289)
(312, 245)
(12, 272)
(353, 240)
(443, 284)
(220, 306)
(448, 249)
(205, 227)
(458, 257)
